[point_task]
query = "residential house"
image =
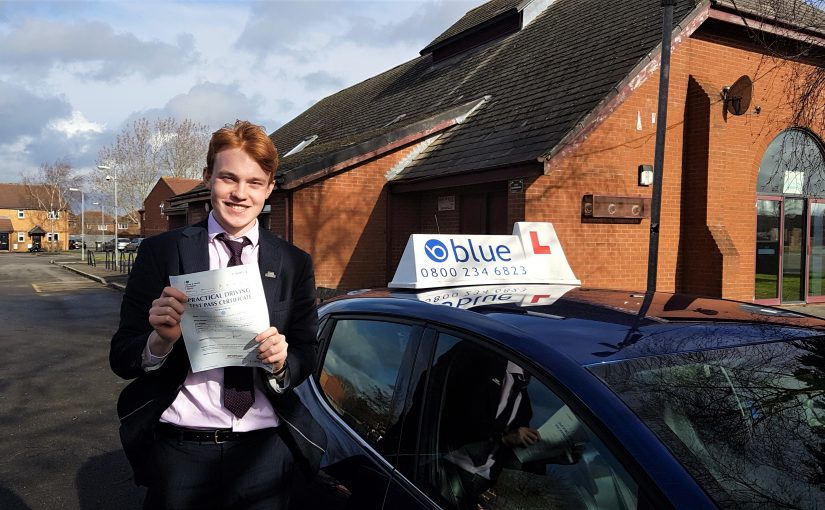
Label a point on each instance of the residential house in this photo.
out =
(155, 216)
(32, 216)
(547, 110)
(130, 225)
(99, 228)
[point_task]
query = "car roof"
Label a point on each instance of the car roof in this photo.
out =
(589, 326)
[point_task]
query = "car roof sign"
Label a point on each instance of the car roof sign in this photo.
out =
(532, 254)
(519, 295)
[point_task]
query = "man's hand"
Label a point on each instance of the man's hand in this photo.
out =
(522, 436)
(272, 348)
(164, 317)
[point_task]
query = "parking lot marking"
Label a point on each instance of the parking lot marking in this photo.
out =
(64, 286)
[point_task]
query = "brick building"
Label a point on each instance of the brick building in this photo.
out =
(32, 216)
(154, 217)
(546, 111)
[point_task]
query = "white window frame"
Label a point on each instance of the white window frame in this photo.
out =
(122, 226)
(21, 237)
(54, 215)
(21, 213)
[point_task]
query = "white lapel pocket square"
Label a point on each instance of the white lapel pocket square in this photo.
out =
(270, 274)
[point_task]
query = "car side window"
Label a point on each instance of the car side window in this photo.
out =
(360, 373)
(493, 436)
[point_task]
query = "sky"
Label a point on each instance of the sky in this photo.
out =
(73, 74)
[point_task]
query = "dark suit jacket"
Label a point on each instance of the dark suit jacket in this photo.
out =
(290, 298)
(472, 379)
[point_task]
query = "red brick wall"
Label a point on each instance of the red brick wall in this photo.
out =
(278, 203)
(342, 222)
(709, 187)
(153, 221)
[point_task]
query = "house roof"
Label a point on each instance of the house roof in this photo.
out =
(542, 80)
(180, 185)
(37, 230)
(796, 12)
(474, 19)
(19, 196)
(545, 83)
(5, 225)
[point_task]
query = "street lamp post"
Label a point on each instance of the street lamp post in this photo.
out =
(82, 222)
(102, 221)
(112, 177)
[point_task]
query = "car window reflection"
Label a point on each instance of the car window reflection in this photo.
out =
(492, 436)
(360, 371)
(748, 422)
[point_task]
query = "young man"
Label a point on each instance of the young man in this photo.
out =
(222, 438)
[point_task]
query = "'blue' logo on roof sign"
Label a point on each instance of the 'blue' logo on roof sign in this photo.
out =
(436, 250)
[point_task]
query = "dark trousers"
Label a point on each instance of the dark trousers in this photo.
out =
(251, 473)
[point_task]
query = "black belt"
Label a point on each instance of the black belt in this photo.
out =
(216, 436)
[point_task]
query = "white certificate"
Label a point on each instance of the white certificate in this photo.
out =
(559, 436)
(225, 311)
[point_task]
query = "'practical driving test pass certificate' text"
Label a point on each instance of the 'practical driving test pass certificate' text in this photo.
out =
(226, 309)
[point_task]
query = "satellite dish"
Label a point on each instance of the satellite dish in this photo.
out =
(738, 96)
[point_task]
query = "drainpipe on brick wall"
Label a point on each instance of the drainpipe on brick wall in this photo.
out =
(658, 160)
(633, 334)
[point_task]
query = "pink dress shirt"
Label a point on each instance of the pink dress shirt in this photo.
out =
(199, 405)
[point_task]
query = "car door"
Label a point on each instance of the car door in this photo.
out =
(482, 430)
(356, 395)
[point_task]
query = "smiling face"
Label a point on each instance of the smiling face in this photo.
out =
(239, 188)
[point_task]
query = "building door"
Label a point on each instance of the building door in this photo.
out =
(790, 220)
(484, 213)
(4, 241)
(768, 250)
(816, 251)
(793, 250)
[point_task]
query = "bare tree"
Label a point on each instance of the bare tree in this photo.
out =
(143, 152)
(47, 191)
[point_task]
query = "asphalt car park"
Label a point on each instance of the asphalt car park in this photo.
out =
(521, 393)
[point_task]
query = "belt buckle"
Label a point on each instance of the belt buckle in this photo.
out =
(217, 434)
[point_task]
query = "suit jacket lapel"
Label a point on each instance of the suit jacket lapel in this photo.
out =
(193, 249)
(269, 263)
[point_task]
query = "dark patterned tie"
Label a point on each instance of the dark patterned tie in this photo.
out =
(238, 394)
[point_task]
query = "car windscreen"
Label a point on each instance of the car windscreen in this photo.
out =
(747, 422)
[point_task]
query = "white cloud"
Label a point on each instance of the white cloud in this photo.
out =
(215, 104)
(90, 49)
(75, 125)
(321, 80)
(211, 61)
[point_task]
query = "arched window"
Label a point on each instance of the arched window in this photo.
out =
(793, 164)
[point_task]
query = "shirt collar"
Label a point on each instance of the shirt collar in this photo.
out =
(214, 228)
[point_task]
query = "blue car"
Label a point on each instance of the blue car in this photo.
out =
(543, 396)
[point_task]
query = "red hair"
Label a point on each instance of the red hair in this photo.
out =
(250, 138)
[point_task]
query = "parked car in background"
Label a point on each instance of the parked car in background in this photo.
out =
(133, 244)
(121, 244)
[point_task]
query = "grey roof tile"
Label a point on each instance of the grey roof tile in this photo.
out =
(543, 81)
